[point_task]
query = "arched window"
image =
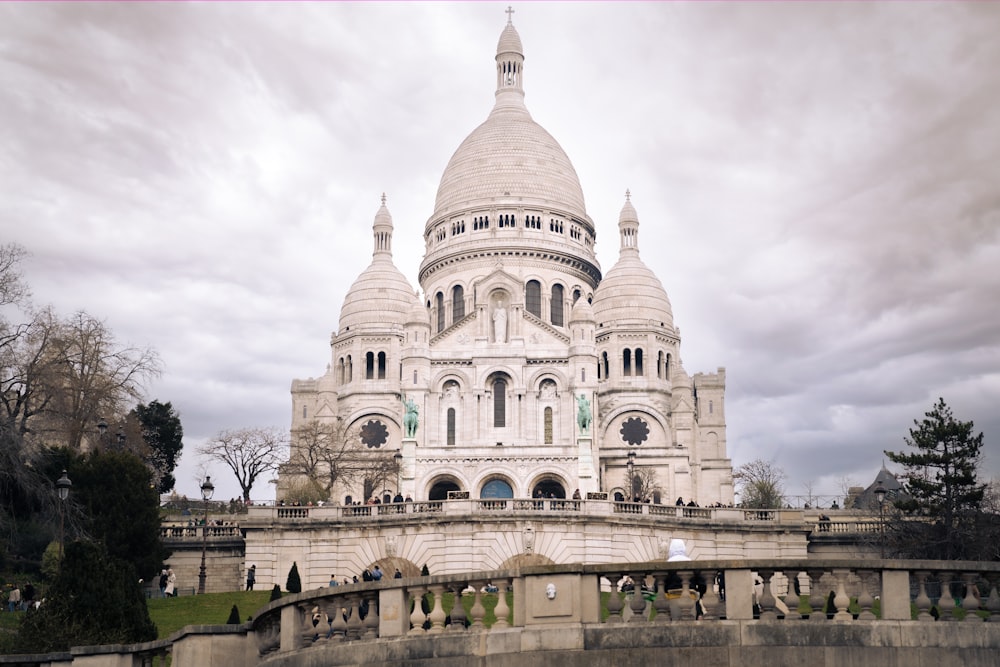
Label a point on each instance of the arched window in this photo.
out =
(556, 306)
(666, 368)
(638, 362)
(381, 365)
(533, 298)
(496, 488)
(451, 427)
(499, 403)
(349, 370)
(627, 362)
(369, 365)
(439, 302)
(340, 371)
(604, 362)
(576, 296)
(659, 364)
(548, 426)
(457, 303)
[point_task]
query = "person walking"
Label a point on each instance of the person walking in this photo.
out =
(171, 590)
(251, 577)
(163, 583)
(14, 599)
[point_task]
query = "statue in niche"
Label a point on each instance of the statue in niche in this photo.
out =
(583, 413)
(410, 417)
(548, 389)
(500, 323)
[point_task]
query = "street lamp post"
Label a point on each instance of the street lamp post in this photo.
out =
(880, 492)
(62, 487)
(206, 494)
(631, 476)
(102, 428)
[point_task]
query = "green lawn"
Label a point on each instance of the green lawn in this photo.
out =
(172, 614)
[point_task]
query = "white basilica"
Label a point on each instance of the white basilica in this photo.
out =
(522, 371)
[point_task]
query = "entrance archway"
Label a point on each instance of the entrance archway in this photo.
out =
(440, 489)
(548, 488)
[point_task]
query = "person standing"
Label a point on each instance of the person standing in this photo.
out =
(163, 583)
(14, 599)
(377, 574)
(171, 590)
(251, 577)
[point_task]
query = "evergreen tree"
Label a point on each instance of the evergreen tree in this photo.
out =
(294, 583)
(275, 593)
(163, 434)
(941, 486)
(95, 599)
(234, 616)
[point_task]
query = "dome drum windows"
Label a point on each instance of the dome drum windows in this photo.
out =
(532, 222)
(480, 222)
(556, 226)
(457, 303)
(556, 307)
(441, 233)
(458, 227)
(533, 298)
(375, 366)
(439, 306)
(632, 362)
(506, 221)
(574, 233)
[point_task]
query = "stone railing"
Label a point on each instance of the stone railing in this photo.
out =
(825, 592)
(492, 506)
(196, 532)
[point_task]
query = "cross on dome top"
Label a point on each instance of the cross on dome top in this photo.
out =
(510, 15)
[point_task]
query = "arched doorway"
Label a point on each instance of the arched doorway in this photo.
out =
(441, 488)
(496, 488)
(548, 488)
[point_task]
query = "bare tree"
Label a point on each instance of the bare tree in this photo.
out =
(248, 452)
(760, 484)
(645, 483)
(13, 289)
(325, 456)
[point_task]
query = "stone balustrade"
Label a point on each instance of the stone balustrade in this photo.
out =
(828, 593)
(210, 532)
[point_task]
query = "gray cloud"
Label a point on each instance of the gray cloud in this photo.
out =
(815, 184)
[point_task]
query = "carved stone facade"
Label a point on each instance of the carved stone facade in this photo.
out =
(530, 371)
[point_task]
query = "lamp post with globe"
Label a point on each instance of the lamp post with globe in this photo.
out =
(63, 485)
(206, 494)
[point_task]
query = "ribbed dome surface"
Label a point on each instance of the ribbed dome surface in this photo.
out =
(380, 296)
(630, 292)
(510, 155)
(510, 41)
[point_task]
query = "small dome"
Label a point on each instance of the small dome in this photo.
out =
(510, 41)
(418, 313)
(582, 311)
(630, 292)
(381, 296)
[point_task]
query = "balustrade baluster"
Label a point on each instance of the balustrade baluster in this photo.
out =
(766, 601)
(660, 602)
(993, 601)
(842, 601)
(923, 600)
(792, 598)
(457, 616)
(337, 624)
(615, 603)
(638, 602)
(817, 596)
(417, 616)
(970, 603)
(478, 611)
(437, 615)
(946, 603)
(502, 609)
(686, 603)
(865, 599)
(354, 616)
(371, 620)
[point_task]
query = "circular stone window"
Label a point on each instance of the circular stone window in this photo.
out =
(634, 431)
(374, 434)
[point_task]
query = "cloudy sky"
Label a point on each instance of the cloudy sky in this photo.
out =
(817, 186)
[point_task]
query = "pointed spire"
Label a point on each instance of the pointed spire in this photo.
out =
(382, 230)
(628, 225)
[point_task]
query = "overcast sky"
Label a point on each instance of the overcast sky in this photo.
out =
(817, 185)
